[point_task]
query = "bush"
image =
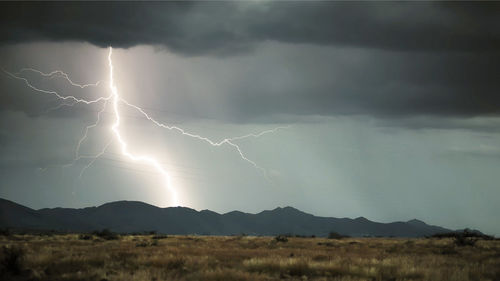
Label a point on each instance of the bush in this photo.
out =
(159, 236)
(448, 250)
(299, 268)
(12, 259)
(466, 233)
(462, 240)
(106, 234)
(4, 232)
(176, 264)
(85, 237)
(281, 238)
(466, 237)
(335, 235)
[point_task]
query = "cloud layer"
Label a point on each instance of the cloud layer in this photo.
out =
(378, 59)
(222, 27)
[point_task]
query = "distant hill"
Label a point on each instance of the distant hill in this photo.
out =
(132, 216)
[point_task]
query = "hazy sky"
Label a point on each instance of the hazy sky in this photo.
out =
(393, 108)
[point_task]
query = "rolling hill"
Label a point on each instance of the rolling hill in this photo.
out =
(133, 216)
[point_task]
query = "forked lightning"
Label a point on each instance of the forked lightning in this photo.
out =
(115, 100)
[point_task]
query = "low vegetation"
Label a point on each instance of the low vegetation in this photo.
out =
(158, 257)
(335, 235)
(106, 234)
(465, 237)
(11, 262)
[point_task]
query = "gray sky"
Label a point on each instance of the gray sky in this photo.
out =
(393, 107)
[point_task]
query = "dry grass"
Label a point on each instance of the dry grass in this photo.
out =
(69, 257)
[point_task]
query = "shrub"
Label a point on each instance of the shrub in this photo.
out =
(176, 264)
(85, 237)
(281, 238)
(449, 250)
(106, 234)
(299, 268)
(335, 235)
(466, 233)
(12, 259)
(142, 244)
(4, 232)
(462, 240)
(466, 237)
(159, 236)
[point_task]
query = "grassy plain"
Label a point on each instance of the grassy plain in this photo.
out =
(141, 257)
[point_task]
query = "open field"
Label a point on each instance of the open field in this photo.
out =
(153, 257)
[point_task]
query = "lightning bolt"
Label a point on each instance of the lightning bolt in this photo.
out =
(228, 141)
(73, 99)
(115, 99)
(58, 73)
(141, 158)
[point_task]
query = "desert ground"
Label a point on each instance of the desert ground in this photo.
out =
(158, 257)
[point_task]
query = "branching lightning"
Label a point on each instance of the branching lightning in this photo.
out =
(115, 100)
(58, 73)
(64, 98)
(228, 141)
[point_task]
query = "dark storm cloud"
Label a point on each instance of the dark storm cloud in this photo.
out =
(201, 28)
(379, 83)
(421, 58)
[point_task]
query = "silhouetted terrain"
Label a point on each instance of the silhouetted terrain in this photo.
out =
(131, 216)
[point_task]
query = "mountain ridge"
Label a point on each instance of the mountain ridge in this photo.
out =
(135, 216)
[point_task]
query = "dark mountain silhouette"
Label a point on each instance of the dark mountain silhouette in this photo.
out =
(132, 216)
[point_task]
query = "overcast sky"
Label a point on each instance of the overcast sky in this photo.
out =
(393, 108)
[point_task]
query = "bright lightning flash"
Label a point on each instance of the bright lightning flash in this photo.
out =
(149, 160)
(115, 99)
